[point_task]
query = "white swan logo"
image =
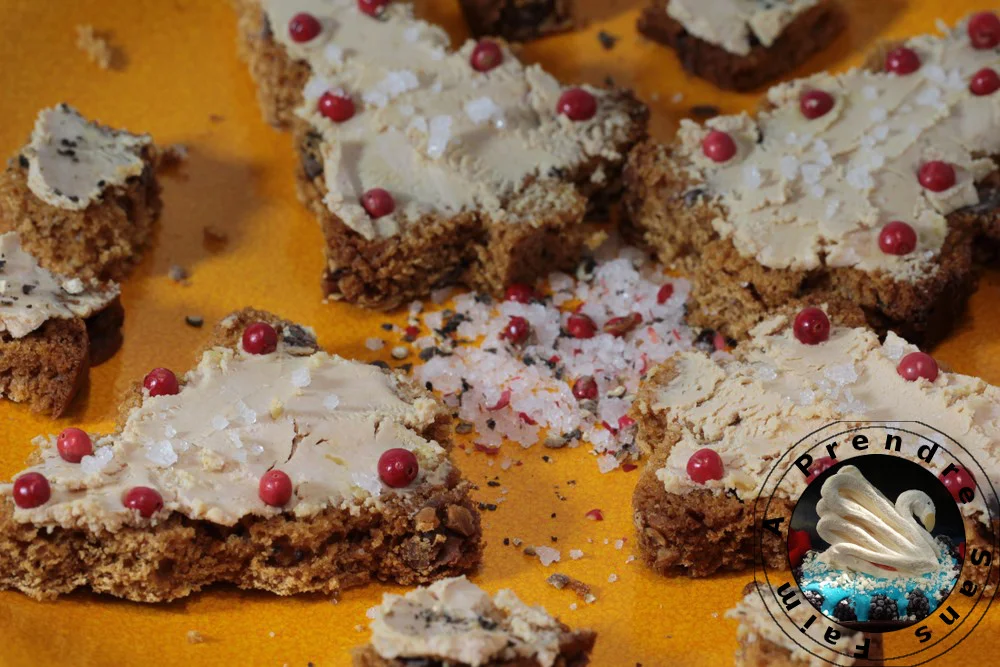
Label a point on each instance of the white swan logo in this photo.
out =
(869, 534)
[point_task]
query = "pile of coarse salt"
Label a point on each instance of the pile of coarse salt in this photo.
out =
(524, 391)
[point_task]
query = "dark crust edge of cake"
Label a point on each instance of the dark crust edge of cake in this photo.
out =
(574, 651)
(732, 293)
(416, 538)
(48, 367)
(810, 32)
(128, 214)
(434, 252)
(518, 20)
(766, 653)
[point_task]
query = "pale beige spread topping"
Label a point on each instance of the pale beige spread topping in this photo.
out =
(72, 161)
(440, 136)
(753, 407)
(736, 24)
(321, 419)
(802, 193)
(455, 620)
(30, 295)
(777, 625)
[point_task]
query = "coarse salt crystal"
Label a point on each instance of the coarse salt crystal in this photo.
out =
(247, 414)
(161, 453)
(73, 286)
(878, 114)
(575, 554)
(612, 578)
(619, 544)
(219, 422)
(98, 462)
(789, 166)
(331, 402)
(438, 136)
(333, 54)
(301, 377)
(482, 109)
(374, 344)
(751, 176)
(547, 555)
(393, 85)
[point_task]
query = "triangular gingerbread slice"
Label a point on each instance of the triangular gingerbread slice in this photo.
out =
(270, 465)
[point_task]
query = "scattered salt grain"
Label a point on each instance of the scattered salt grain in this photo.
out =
(572, 606)
(219, 422)
(619, 544)
(482, 109)
(393, 85)
(372, 613)
(161, 453)
(575, 554)
(333, 54)
(438, 136)
(247, 414)
(547, 555)
(194, 637)
(94, 464)
(301, 378)
(374, 344)
(612, 578)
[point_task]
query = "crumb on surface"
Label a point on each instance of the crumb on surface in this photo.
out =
(177, 273)
(194, 637)
(95, 45)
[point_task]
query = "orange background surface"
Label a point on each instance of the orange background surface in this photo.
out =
(179, 78)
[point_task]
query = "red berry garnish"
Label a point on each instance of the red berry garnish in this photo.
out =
(161, 382)
(718, 146)
(663, 295)
(526, 418)
(516, 331)
(595, 515)
(585, 388)
(936, 176)
(625, 422)
(373, 7)
(338, 107)
(398, 467)
(73, 444)
(148, 501)
(704, 464)
(577, 104)
(897, 238)
(818, 467)
(378, 202)
(619, 326)
(799, 544)
(902, 60)
(303, 27)
(984, 82)
(955, 481)
(275, 488)
(519, 293)
(260, 338)
(580, 326)
(31, 490)
(815, 103)
(811, 326)
(486, 55)
(984, 30)
(918, 365)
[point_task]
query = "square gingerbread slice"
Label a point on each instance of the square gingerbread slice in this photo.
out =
(428, 166)
(271, 465)
(51, 329)
(83, 196)
(867, 187)
(747, 409)
(742, 44)
(766, 638)
(454, 622)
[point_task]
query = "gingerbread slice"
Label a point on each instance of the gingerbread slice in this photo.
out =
(716, 427)
(51, 329)
(867, 188)
(270, 465)
(455, 622)
(83, 196)
(742, 44)
(519, 20)
(766, 639)
(428, 166)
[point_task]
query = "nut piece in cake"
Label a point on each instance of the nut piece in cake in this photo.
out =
(270, 465)
(765, 636)
(866, 188)
(429, 166)
(83, 196)
(717, 426)
(51, 329)
(519, 20)
(742, 44)
(455, 622)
